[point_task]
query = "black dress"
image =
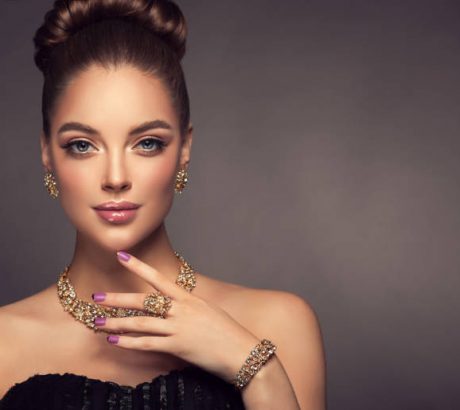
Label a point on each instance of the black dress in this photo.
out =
(189, 388)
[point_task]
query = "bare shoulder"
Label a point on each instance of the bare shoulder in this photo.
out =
(265, 310)
(20, 323)
(11, 321)
(26, 308)
(276, 312)
(292, 324)
(14, 315)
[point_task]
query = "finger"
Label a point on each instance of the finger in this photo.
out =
(141, 324)
(146, 343)
(128, 301)
(151, 276)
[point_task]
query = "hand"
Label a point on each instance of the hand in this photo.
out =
(194, 329)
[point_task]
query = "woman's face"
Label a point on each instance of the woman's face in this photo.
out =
(97, 155)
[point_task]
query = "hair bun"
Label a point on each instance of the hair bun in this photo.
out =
(163, 17)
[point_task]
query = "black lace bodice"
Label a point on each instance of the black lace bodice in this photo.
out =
(190, 388)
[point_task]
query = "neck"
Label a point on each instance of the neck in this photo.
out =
(97, 269)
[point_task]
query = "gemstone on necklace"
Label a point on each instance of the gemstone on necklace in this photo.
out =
(86, 312)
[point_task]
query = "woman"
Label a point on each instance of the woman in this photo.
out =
(115, 145)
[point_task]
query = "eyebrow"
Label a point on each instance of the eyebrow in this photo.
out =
(145, 126)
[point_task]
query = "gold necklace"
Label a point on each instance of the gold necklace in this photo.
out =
(86, 312)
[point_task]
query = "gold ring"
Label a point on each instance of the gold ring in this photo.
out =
(157, 304)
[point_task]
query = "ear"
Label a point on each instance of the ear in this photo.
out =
(186, 147)
(45, 152)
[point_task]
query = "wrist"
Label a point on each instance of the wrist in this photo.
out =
(249, 361)
(269, 387)
(257, 358)
(234, 360)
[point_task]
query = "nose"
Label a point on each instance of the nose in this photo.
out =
(116, 177)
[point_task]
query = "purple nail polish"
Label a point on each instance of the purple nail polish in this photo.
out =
(98, 296)
(112, 339)
(99, 321)
(123, 256)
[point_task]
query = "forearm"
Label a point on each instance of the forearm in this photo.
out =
(270, 389)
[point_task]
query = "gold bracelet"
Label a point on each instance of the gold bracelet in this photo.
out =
(257, 358)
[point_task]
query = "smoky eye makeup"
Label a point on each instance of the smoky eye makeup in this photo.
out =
(149, 146)
(77, 144)
(148, 143)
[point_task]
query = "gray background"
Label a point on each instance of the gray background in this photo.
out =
(325, 163)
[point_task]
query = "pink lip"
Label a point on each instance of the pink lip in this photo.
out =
(112, 205)
(117, 216)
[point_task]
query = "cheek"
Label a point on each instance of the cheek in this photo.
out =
(155, 189)
(76, 194)
(74, 180)
(155, 179)
(155, 176)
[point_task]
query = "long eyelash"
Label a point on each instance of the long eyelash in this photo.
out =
(68, 146)
(161, 144)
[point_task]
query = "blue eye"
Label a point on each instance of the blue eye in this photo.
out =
(78, 144)
(149, 146)
(153, 141)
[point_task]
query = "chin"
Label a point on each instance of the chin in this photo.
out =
(118, 240)
(124, 237)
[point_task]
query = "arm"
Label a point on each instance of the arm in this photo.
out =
(294, 378)
(204, 334)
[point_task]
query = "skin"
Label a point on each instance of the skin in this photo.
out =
(213, 327)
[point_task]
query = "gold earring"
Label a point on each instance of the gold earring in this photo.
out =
(181, 180)
(50, 184)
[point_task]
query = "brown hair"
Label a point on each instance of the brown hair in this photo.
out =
(148, 34)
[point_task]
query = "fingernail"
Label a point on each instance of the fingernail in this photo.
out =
(98, 296)
(112, 339)
(99, 321)
(123, 256)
